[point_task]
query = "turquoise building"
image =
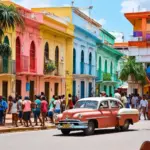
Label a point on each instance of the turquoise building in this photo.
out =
(108, 68)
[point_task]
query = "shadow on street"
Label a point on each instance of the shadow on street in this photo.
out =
(97, 132)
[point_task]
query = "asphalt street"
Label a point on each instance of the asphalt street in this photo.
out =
(104, 139)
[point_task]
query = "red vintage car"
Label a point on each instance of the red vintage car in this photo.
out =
(92, 113)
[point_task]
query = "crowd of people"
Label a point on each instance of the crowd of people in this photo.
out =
(41, 110)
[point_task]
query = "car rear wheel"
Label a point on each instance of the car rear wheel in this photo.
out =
(91, 128)
(65, 132)
(126, 125)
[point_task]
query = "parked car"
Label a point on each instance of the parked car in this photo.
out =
(92, 113)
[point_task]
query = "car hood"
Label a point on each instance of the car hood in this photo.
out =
(69, 113)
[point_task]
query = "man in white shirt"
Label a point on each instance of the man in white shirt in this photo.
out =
(144, 106)
(117, 95)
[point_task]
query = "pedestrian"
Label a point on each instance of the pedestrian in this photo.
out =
(37, 110)
(70, 103)
(27, 111)
(63, 103)
(134, 101)
(3, 107)
(143, 106)
(42, 95)
(124, 100)
(5, 110)
(57, 104)
(51, 109)
(44, 106)
(117, 95)
(14, 111)
(20, 115)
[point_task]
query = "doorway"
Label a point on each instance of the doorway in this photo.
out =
(82, 89)
(31, 90)
(5, 89)
(47, 90)
(56, 89)
(18, 87)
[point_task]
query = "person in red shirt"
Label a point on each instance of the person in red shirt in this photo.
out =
(44, 110)
(70, 103)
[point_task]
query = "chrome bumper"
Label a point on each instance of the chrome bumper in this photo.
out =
(72, 125)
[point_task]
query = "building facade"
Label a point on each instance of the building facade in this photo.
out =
(107, 65)
(139, 47)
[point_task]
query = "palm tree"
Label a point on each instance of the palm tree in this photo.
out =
(9, 19)
(134, 69)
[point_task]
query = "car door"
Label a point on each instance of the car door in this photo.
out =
(105, 113)
(114, 107)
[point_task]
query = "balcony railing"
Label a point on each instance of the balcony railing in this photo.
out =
(26, 64)
(59, 71)
(87, 69)
(7, 66)
(102, 76)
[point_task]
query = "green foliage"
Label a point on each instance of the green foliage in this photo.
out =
(131, 67)
(106, 77)
(5, 50)
(49, 66)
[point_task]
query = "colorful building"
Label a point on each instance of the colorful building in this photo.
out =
(40, 51)
(84, 52)
(107, 65)
(139, 46)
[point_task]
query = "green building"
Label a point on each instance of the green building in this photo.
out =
(108, 66)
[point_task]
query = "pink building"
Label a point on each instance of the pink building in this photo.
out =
(29, 68)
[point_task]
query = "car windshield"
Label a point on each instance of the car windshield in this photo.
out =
(87, 104)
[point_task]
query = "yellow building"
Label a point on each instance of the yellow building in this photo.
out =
(7, 67)
(57, 46)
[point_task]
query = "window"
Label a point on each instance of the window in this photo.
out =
(104, 104)
(115, 104)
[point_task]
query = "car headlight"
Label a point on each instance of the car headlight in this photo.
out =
(80, 116)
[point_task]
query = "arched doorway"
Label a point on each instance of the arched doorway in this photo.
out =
(32, 57)
(82, 62)
(74, 61)
(105, 66)
(57, 59)
(90, 63)
(18, 55)
(5, 58)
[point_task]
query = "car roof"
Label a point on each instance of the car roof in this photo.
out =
(100, 99)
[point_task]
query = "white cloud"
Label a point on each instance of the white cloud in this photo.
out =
(101, 21)
(33, 3)
(135, 5)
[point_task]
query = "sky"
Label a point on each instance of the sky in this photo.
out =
(109, 13)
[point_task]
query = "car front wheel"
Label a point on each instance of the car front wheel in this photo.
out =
(91, 128)
(65, 132)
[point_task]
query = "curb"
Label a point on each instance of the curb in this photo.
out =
(26, 129)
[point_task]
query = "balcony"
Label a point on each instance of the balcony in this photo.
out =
(7, 66)
(58, 71)
(26, 64)
(87, 69)
(106, 77)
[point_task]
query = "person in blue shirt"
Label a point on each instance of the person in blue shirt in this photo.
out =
(37, 110)
(3, 108)
(5, 111)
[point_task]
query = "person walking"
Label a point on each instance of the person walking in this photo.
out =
(143, 106)
(27, 111)
(44, 106)
(134, 101)
(70, 103)
(124, 100)
(5, 110)
(20, 115)
(3, 107)
(117, 95)
(57, 104)
(51, 109)
(37, 110)
(63, 103)
(14, 111)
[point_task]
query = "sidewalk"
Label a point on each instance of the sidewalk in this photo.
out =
(9, 128)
